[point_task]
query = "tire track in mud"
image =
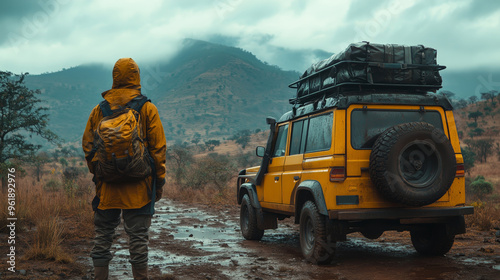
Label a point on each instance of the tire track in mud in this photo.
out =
(194, 243)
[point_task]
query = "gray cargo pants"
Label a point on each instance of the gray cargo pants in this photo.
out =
(136, 225)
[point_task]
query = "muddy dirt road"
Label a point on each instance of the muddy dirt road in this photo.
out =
(195, 243)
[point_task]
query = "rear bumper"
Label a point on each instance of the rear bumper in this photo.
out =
(399, 213)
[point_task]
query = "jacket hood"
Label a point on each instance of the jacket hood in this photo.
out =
(126, 83)
(126, 74)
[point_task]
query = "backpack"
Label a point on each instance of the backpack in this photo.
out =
(122, 155)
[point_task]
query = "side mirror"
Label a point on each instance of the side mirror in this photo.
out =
(260, 151)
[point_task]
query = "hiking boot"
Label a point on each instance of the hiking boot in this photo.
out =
(140, 272)
(101, 272)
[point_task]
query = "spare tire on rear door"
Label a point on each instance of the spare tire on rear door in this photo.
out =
(413, 164)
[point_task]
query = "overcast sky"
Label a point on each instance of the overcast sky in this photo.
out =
(48, 35)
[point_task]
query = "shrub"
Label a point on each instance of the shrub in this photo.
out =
(52, 185)
(213, 171)
(485, 216)
(70, 176)
(481, 187)
(47, 241)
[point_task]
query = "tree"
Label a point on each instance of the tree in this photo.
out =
(489, 95)
(482, 147)
(196, 139)
(469, 158)
(242, 137)
(38, 162)
(473, 99)
(462, 103)
(63, 162)
(485, 95)
(487, 110)
(181, 158)
(475, 115)
(20, 115)
(211, 144)
(478, 131)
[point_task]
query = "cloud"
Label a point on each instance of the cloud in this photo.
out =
(47, 35)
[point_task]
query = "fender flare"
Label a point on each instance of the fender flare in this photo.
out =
(316, 191)
(249, 189)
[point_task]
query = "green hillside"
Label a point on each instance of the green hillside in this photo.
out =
(206, 88)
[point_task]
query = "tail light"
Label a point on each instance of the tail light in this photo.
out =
(460, 170)
(337, 174)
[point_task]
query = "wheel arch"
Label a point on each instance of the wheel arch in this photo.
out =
(250, 190)
(309, 190)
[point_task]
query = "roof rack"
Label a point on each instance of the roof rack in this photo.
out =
(326, 82)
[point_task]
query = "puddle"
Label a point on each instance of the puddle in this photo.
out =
(384, 247)
(476, 261)
(184, 241)
(215, 241)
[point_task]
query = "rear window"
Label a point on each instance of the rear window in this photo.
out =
(367, 125)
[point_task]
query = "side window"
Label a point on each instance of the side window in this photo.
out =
(280, 146)
(298, 140)
(319, 136)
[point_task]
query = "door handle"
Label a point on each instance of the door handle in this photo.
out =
(296, 178)
(276, 178)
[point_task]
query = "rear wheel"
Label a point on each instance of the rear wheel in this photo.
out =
(314, 242)
(432, 240)
(248, 220)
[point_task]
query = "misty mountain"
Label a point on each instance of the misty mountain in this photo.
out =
(210, 89)
(207, 88)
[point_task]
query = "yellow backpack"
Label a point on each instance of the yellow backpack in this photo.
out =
(120, 149)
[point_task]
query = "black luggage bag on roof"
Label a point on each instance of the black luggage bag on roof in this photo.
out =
(372, 65)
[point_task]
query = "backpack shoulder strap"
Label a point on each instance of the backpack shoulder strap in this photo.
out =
(105, 108)
(135, 104)
(138, 102)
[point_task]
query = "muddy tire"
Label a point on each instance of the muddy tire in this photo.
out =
(413, 164)
(248, 220)
(433, 240)
(314, 242)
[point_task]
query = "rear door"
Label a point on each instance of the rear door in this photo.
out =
(365, 123)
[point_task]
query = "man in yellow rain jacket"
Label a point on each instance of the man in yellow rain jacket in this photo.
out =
(134, 201)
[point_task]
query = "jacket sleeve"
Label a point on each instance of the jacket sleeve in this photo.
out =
(157, 144)
(88, 135)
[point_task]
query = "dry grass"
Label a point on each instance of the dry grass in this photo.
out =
(487, 213)
(46, 243)
(46, 216)
(486, 216)
(205, 195)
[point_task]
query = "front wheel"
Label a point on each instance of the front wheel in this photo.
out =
(314, 242)
(248, 220)
(432, 240)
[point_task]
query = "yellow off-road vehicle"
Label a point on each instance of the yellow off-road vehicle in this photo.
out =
(365, 156)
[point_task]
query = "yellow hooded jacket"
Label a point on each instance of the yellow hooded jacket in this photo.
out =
(126, 86)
